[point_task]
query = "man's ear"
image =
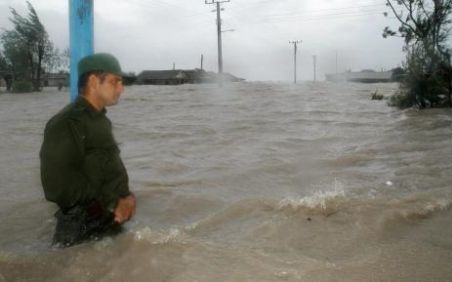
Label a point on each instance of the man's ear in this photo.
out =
(93, 81)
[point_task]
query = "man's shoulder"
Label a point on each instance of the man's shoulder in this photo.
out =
(73, 111)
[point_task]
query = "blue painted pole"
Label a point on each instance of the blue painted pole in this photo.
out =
(81, 29)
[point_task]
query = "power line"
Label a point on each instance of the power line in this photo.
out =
(152, 5)
(322, 10)
(321, 18)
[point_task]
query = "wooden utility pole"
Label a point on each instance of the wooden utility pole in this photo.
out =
(220, 48)
(448, 78)
(295, 59)
(336, 64)
(315, 67)
(202, 61)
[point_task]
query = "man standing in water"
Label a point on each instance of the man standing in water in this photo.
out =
(81, 170)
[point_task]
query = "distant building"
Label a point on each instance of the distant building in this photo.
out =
(176, 77)
(56, 79)
(168, 77)
(129, 79)
(364, 76)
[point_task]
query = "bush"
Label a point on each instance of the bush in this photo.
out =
(401, 100)
(22, 86)
(376, 96)
(425, 84)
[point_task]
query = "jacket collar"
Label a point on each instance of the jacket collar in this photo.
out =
(81, 102)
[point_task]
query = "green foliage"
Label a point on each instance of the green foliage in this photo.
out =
(424, 25)
(26, 48)
(421, 87)
(21, 86)
(400, 100)
(398, 74)
(376, 96)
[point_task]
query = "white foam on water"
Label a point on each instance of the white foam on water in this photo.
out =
(325, 202)
(158, 237)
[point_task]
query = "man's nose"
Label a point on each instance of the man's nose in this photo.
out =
(120, 87)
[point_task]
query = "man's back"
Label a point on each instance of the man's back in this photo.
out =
(80, 159)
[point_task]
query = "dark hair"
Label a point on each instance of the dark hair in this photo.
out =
(83, 79)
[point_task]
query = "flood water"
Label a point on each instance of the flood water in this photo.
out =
(250, 182)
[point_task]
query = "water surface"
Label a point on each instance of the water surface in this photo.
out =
(251, 182)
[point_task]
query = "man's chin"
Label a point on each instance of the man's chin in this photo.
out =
(112, 103)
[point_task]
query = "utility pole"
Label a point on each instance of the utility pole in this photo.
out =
(295, 59)
(336, 63)
(220, 48)
(449, 76)
(202, 61)
(315, 67)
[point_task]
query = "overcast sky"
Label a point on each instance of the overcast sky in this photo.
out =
(154, 34)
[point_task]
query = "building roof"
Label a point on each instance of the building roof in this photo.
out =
(162, 74)
(194, 75)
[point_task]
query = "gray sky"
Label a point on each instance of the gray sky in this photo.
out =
(152, 34)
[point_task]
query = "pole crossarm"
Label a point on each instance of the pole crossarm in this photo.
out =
(216, 1)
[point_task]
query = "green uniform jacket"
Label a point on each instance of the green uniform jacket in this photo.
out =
(80, 160)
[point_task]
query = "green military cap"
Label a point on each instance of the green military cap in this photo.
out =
(99, 62)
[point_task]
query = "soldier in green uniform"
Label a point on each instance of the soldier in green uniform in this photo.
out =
(81, 170)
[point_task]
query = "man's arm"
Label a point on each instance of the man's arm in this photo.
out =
(108, 177)
(61, 159)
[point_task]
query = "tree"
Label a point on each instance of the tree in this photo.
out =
(424, 25)
(27, 48)
(59, 61)
(5, 72)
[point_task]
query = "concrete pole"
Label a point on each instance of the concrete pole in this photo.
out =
(81, 30)
(219, 31)
(220, 48)
(295, 64)
(448, 78)
(295, 45)
(336, 64)
(315, 67)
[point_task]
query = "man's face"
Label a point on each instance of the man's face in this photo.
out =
(109, 89)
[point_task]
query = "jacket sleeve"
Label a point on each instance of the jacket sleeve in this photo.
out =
(61, 159)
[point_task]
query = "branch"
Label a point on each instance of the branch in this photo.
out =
(417, 25)
(398, 16)
(421, 5)
(404, 4)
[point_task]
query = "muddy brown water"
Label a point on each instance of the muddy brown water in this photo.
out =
(252, 182)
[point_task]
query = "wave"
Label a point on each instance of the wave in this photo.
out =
(377, 213)
(414, 208)
(322, 202)
(174, 235)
